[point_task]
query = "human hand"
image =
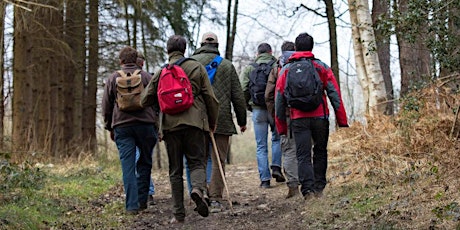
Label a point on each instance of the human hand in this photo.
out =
(243, 128)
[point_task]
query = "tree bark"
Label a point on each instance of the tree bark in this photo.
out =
(2, 71)
(75, 38)
(414, 57)
(381, 10)
(231, 29)
(330, 13)
(89, 124)
(368, 67)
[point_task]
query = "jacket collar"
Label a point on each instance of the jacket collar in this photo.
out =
(301, 54)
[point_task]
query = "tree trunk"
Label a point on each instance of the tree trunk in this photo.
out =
(2, 71)
(381, 10)
(89, 123)
(22, 98)
(128, 33)
(231, 29)
(75, 37)
(333, 38)
(368, 67)
(414, 58)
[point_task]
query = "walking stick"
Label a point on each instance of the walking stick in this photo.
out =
(221, 169)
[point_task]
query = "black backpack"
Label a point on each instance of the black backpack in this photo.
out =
(258, 82)
(304, 88)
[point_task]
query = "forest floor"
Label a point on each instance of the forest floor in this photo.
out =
(346, 204)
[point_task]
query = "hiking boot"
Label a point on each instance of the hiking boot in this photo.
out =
(293, 191)
(277, 174)
(206, 197)
(132, 212)
(150, 200)
(142, 206)
(265, 184)
(215, 207)
(201, 205)
(308, 196)
(174, 220)
(318, 194)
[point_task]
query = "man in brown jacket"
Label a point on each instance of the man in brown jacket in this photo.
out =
(186, 133)
(131, 130)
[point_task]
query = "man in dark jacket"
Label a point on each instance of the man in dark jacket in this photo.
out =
(228, 91)
(311, 125)
(186, 132)
(130, 130)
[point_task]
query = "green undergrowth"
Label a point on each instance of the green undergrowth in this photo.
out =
(52, 196)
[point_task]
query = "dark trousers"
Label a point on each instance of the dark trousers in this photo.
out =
(312, 170)
(190, 142)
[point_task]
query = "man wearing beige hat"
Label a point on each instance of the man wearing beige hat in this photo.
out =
(228, 91)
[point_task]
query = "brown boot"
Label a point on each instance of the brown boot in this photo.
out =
(293, 191)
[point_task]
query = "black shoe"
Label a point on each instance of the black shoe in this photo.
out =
(201, 205)
(276, 173)
(265, 184)
(143, 206)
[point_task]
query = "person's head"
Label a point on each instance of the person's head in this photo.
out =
(127, 55)
(140, 59)
(288, 46)
(304, 42)
(176, 43)
(209, 38)
(264, 48)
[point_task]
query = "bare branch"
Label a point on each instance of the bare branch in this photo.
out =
(315, 11)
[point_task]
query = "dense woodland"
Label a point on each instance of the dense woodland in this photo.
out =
(56, 53)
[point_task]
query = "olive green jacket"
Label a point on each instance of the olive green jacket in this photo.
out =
(228, 91)
(203, 113)
(244, 78)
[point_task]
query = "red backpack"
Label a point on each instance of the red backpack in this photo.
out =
(174, 89)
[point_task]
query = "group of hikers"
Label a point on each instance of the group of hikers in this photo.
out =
(189, 104)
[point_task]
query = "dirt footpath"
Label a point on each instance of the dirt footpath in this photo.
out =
(253, 207)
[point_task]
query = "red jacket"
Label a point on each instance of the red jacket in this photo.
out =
(330, 86)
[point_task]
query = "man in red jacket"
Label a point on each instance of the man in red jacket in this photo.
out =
(308, 126)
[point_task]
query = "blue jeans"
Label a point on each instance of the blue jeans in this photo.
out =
(127, 138)
(312, 167)
(262, 121)
(208, 173)
(152, 186)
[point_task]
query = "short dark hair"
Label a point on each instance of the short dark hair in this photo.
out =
(176, 43)
(304, 42)
(264, 48)
(288, 46)
(128, 55)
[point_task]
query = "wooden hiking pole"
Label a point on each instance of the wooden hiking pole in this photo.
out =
(221, 169)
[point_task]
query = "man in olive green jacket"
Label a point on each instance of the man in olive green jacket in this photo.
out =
(186, 133)
(262, 120)
(228, 90)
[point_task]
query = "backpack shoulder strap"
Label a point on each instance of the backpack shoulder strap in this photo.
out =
(137, 71)
(214, 62)
(218, 59)
(122, 73)
(182, 60)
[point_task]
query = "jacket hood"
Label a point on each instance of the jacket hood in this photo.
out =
(285, 56)
(301, 54)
